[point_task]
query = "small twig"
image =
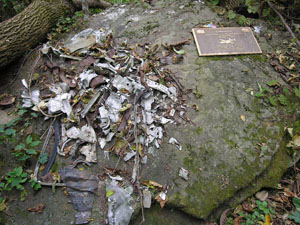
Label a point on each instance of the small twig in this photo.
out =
(136, 159)
(176, 81)
(37, 167)
(180, 43)
(47, 130)
(53, 151)
(117, 164)
(285, 24)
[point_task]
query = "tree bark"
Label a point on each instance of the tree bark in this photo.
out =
(25, 30)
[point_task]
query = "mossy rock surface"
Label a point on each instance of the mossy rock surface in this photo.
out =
(220, 150)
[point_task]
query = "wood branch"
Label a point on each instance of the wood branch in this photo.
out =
(28, 28)
(285, 24)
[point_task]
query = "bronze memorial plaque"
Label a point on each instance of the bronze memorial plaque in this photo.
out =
(225, 41)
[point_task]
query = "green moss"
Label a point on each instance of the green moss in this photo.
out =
(259, 58)
(255, 58)
(206, 194)
(55, 167)
(21, 212)
(201, 203)
(150, 26)
(198, 130)
(231, 143)
(128, 34)
(218, 58)
(189, 163)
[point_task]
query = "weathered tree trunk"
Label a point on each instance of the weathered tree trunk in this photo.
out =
(28, 28)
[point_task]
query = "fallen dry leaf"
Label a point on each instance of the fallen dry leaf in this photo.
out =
(152, 183)
(236, 220)
(28, 130)
(38, 208)
(262, 195)
(288, 193)
(3, 205)
(47, 178)
(223, 219)
(247, 207)
(267, 220)
(85, 63)
(97, 81)
(155, 184)
(153, 77)
(160, 201)
(195, 107)
(68, 81)
(209, 223)
(6, 99)
(243, 118)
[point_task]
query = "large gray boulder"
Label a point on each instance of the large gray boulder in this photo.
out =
(221, 146)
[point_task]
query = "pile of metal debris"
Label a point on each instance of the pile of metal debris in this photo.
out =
(111, 97)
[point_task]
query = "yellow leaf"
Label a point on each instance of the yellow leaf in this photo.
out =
(2, 205)
(243, 118)
(267, 220)
(109, 193)
(119, 145)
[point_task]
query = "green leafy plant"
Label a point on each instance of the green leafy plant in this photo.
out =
(64, 25)
(276, 93)
(282, 99)
(263, 150)
(7, 132)
(252, 6)
(15, 179)
(263, 207)
(262, 91)
(258, 215)
(251, 219)
(231, 15)
(35, 185)
(214, 2)
(95, 11)
(24, 151)
(242, 20)
(273, 83)
(296, 214)
(43, 158)
(272, 101)
(297, 92)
